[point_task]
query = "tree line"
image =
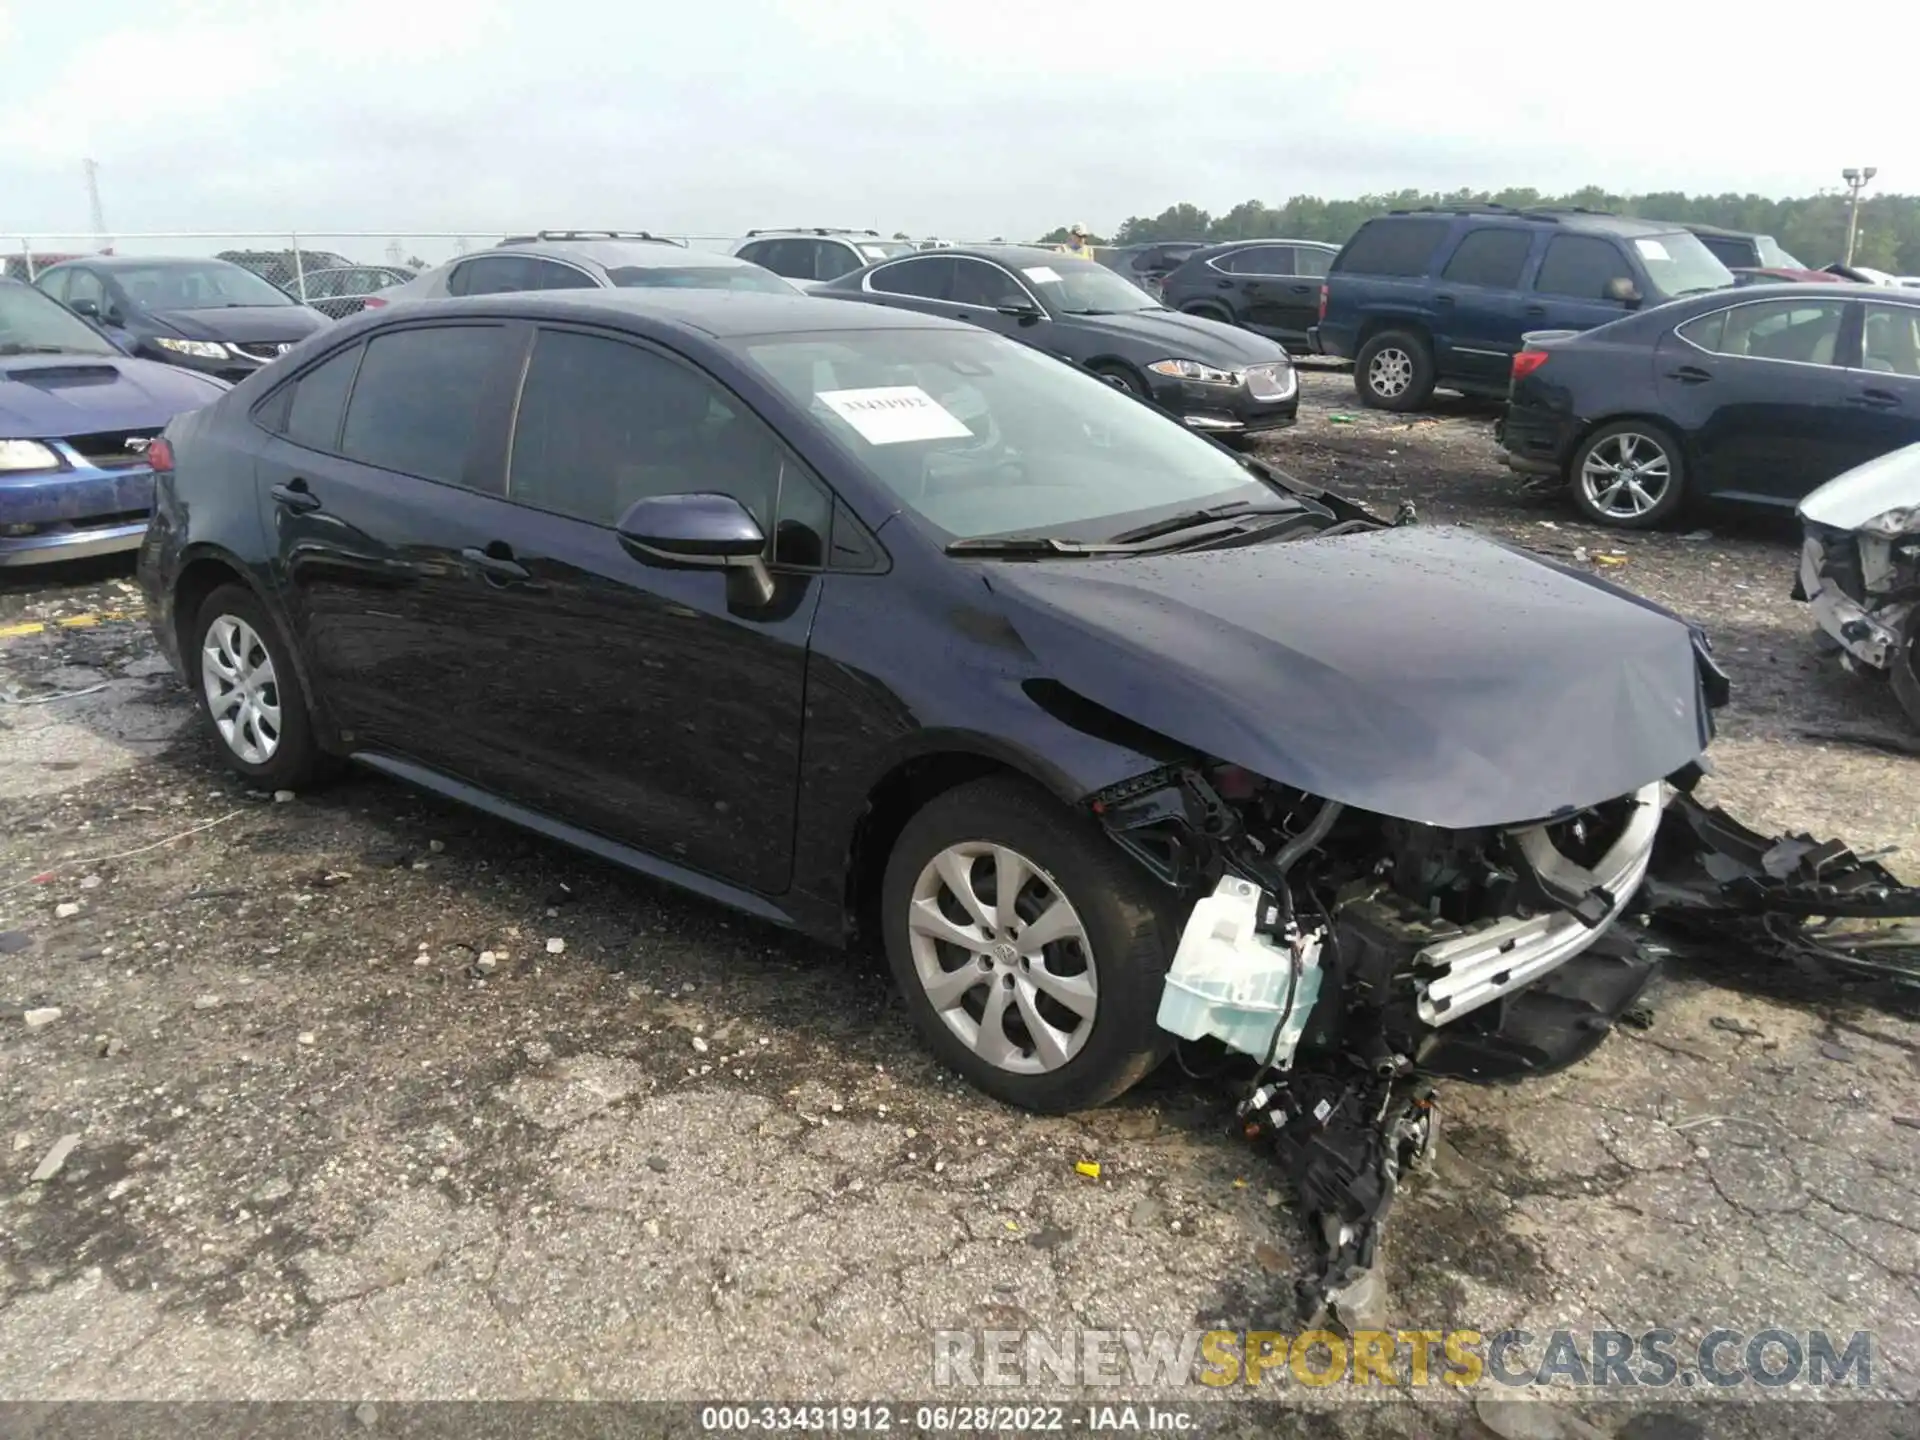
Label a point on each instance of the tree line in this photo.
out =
(1813, 228)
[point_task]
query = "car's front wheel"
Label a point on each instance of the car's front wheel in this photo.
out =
(1030, 950)
(1629, 475)
(250, 692)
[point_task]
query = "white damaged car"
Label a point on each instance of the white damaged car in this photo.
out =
(1860, 568)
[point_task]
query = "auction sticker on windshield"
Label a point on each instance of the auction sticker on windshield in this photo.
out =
(891, 414)
(1042, 274)
(1652, 250)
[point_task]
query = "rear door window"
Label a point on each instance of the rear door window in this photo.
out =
(551, 276)
(1311, 261)
(1581, 266)
(1401, 246)
(1261, 260)
(492, 275)
(415, 405)
(927, 279)
(1492, 256)
(1806, 331)
(832, 259)
(319, 400)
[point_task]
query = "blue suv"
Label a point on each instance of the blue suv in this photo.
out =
(1420, 299)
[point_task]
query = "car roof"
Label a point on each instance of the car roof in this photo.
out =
(824, 232)
(1013, 256)
(1722, 230)
(1221, 247)
(614, 254)
(1572, 217)
(150, 262)
(721, 314)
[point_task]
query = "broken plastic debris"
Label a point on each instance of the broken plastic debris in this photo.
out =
(1088, 1168)
(1339, 419)
(46, 1015)
(50, 1165)
(556, 946)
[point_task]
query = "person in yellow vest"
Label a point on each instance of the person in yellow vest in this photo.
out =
(1077, 245)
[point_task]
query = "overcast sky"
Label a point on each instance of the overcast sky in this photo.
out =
(958, 119)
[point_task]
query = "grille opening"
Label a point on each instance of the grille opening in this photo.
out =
(108, 449)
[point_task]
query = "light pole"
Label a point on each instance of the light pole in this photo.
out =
(1856, 182)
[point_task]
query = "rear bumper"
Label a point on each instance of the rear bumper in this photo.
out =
(74, 513)
(1533, 442)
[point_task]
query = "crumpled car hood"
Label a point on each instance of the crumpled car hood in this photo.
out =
(1849, 500)
(1419, 672)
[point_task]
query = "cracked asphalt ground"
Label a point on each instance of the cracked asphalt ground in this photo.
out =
(378, 1099)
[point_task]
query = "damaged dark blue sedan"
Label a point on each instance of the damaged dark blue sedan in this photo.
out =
(861, 620)
(76, 416)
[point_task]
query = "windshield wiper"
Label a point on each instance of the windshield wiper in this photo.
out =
(1174, 524)
(1018, 545)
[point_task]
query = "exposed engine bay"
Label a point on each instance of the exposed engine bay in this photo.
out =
(1352, 959)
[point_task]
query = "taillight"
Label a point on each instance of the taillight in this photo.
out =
(1528, 361)
(160, 455)
(1323, 304)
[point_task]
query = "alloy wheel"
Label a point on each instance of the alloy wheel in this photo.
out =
(1390, 372)
(1626, 475)
(243, 694)
(1003, 957)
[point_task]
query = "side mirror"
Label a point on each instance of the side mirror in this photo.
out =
(1025, 313)
(86, 308)
(1624, 292)
(699, 532)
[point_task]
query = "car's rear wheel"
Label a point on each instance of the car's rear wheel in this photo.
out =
(1030, 950)
(1208, 311)
(250, 692)
(1394, 371)
(1629, 475)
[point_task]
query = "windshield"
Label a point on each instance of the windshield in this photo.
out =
(209, 285)
(1678, 264)
(979, 435)
(32, 323)
(1085, 287)
(700, 277)
(1773, 257)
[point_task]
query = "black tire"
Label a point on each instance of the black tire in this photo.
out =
(1900, 671)
(295, 758)
(1123, 378)
(1394, 371)
(1631, 438)
(1209, 311)
(1128, 921)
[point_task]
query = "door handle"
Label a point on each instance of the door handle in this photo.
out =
(498, 569)
(1875, 399)
(1223, 284)
(1536, 310)
(1689, 375)
(295, 496)
(1443, 299)
(1303, 289)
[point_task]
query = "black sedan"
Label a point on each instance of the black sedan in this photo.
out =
(207, 315)
(866, 622)
(1213, 377)
(1271, 287)
(1756, 396)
